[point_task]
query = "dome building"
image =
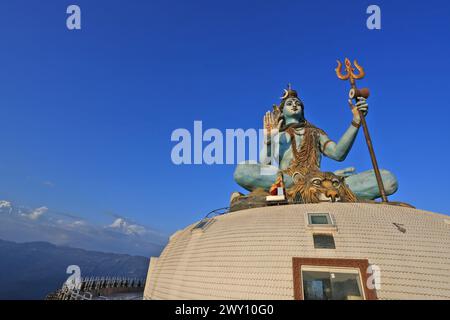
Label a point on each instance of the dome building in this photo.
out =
(302, 233)
(307, 251)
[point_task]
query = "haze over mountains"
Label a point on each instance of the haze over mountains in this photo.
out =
(38, 244)
(23, 224)
(32, 270)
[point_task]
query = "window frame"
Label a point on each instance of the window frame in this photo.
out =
(361, 265)
(202, 225)
(330, 270)
(327, 215)
(325, 228)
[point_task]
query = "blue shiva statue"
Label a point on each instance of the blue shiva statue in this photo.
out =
(299, 144)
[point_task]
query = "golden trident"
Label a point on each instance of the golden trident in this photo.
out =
(350, 71)
(356, 93)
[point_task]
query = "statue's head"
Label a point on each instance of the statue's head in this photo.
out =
(291, 106)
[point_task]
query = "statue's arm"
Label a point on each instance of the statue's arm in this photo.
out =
(265, 153)
(338, 151)
(270, 148)
(271, 127)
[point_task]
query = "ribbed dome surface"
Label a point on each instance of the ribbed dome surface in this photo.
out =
(249, 254)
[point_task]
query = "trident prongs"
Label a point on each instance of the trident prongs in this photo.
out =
(350, 71)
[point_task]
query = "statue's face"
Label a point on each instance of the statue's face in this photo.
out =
(293, 108)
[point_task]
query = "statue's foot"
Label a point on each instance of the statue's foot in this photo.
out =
(345, 172)
(364, 185)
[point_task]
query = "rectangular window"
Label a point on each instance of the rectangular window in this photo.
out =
(331, 279)
(319, 219)
(337, 284)
(324, 241)
(202, 225)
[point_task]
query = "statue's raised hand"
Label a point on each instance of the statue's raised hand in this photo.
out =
(271, 124)
(362, 106)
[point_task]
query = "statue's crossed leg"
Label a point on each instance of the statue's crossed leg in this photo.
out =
(252, 176)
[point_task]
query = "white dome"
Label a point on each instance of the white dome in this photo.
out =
(249, 254)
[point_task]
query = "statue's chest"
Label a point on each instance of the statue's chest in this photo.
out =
(286, 142)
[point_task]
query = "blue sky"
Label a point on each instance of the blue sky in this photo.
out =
(87, 115)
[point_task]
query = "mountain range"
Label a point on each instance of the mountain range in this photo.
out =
(31, 270)
(24, 224)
